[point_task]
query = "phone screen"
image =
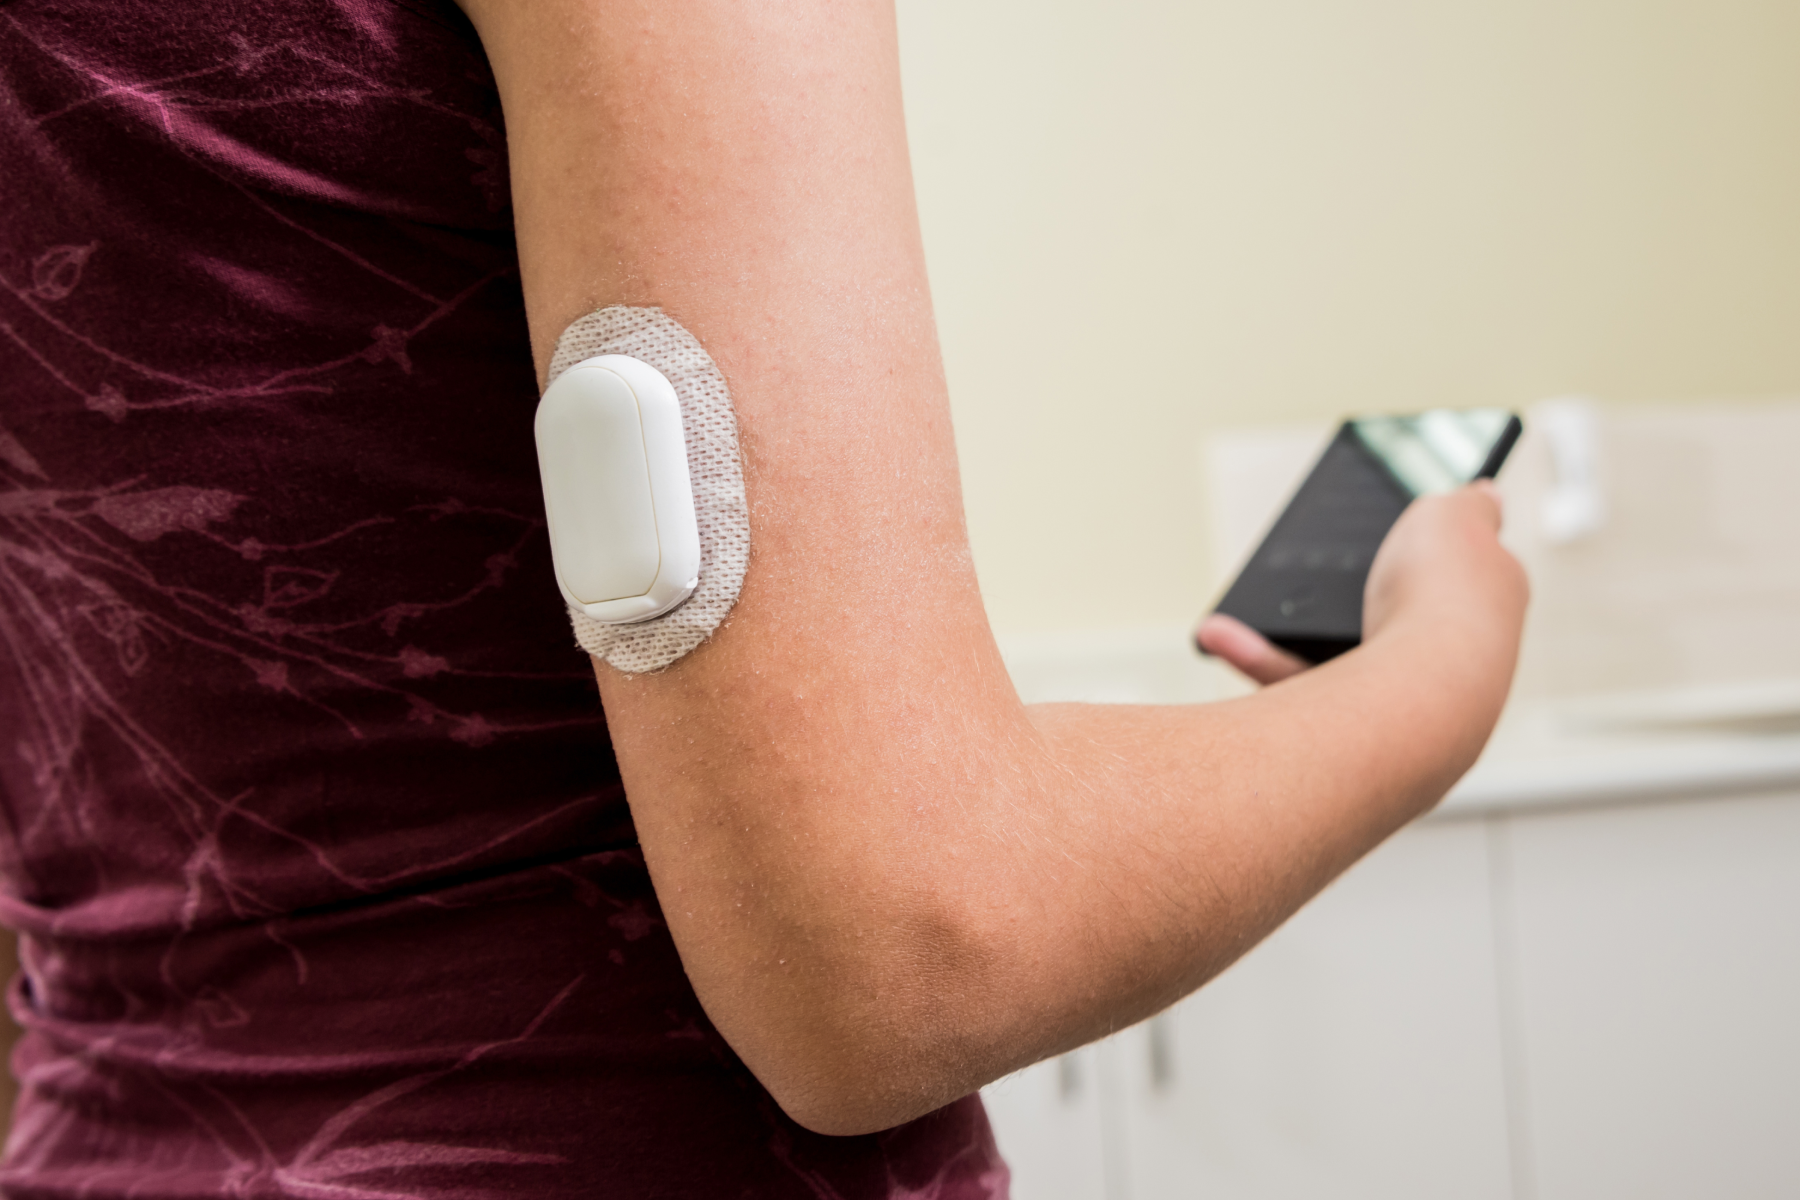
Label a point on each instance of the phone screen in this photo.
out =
(1303, 587)
(1436, 451)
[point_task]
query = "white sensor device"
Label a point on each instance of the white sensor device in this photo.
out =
(623, 534)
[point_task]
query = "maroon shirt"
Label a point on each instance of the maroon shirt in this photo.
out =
(326, 880)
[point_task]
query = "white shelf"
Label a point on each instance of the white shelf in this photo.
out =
(1577, 772)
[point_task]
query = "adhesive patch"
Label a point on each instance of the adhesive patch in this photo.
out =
(709, 427)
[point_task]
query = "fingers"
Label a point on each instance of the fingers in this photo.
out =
(1247, 650)
(1484, 496)
(1443, 557)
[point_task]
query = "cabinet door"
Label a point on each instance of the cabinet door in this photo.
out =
(1659, 998)
(1356, 1053)
(1048, 1120)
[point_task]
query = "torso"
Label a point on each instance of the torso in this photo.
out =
(325, 875)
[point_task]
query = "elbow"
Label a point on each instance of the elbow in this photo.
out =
(838, 1099)
(869, 1030)
(888, 1078)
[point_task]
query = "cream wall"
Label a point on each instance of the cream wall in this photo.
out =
(1284, 210)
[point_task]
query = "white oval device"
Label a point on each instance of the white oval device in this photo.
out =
(614, 464)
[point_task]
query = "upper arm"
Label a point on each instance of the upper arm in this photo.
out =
(744, 167)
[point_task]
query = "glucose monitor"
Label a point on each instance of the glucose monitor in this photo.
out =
(623, 533)
(643, 486)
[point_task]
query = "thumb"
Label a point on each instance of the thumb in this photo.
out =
(1247, 650)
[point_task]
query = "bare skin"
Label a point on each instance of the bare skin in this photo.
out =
(890, 881)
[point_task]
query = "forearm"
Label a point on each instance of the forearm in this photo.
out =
(919, 897)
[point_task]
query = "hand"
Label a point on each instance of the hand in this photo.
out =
(1247, 650)
(1442, 557)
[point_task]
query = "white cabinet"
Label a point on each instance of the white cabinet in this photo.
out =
(1658, 994)
(1051, 1126)
(1588, 1004)
(1356, 1053)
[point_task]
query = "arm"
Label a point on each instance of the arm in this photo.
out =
(889, 881)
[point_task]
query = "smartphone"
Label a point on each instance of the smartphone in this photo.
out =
(1303, 588)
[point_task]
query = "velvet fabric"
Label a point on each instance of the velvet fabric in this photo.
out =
(326, 881)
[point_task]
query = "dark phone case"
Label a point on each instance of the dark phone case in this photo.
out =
(1303, 588)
